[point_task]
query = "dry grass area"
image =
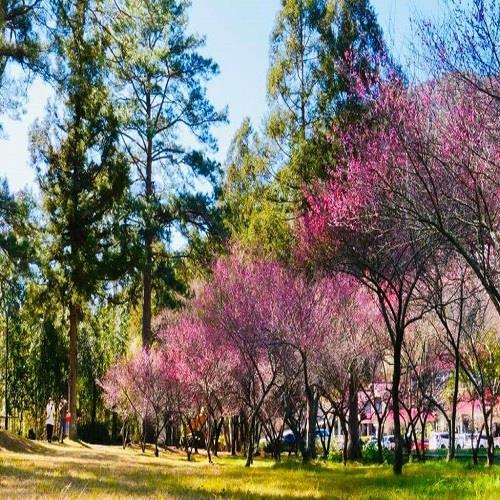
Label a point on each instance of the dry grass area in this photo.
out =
(76, 470)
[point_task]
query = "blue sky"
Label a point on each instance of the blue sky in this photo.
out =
(237, 33)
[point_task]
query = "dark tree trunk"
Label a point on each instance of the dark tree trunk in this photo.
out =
(143, 436)
(453, 422)
(380, 452)
(7, 408)
(234, 434)
(250, 443)
(93, 412)
(114, 427)
(353, 449)
(148, 243)
(414, 439)
(345, 432)
(73, 334)
(490, 451)
(124, 434)
(309, 451)
(396, 377)
(218, 430)
(209, 425)
(157, 436)
(422, 438)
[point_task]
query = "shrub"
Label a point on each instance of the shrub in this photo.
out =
(94, 433)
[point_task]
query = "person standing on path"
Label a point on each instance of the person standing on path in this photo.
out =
(63, 408)
(68, 420)
(51, 410)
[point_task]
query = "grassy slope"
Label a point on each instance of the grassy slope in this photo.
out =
(72, 470)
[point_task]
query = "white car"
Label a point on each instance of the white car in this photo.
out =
(388, 442)
(439, 440)
(464, 441)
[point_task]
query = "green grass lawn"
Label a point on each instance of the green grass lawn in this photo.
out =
(77, 471)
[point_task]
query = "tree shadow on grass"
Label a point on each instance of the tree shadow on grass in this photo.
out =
(17, 444)
(124, 484)
(105, 473)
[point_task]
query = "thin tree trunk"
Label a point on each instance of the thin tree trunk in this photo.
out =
(234, 434)
(157, 436)
(345, 432)
(396, 377)
(7, 409)
(250, 444)
(380, 453)
(218, 430)
(209, 438)
(148, 243)
(73, 333)
(414, 439)
(114, 425)
(143, 436)
(93, 413)
(453, 423)
(490, 451)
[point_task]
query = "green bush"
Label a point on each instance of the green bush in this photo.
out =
(370, 454)
(335, 455)
(96, 433)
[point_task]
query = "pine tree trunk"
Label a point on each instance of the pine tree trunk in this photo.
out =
(148, 243)
(73, 333)
(146, 304)
(7, 408)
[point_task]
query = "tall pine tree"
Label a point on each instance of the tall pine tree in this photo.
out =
(82, 175)
(316, 47)
(160, 81)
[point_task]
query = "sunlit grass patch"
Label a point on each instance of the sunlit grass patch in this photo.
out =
(74, 471)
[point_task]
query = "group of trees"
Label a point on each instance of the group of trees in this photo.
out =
(352, 241)
(115, 185)
(395, 236)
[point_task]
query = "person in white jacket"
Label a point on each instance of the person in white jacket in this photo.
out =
(51, 413)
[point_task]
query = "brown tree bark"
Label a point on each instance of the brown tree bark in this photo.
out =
(396, 378)
(353, 448)
(73, 372)
(148, 241)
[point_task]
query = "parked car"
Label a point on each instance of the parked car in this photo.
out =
(322, 433)
(465, 441)
(439, 440)
(388, 442)
(288, 438)
(419, 445)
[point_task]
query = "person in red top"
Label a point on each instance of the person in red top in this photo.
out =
(67, 421)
